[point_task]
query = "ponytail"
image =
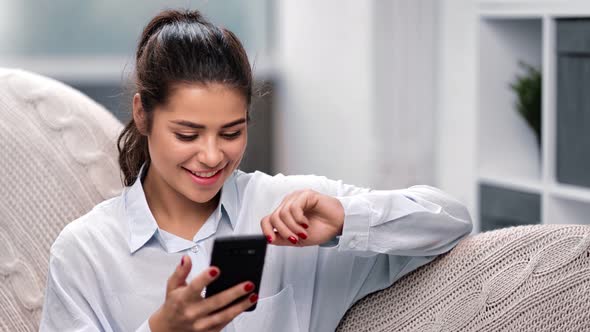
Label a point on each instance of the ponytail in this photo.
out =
(133, 152)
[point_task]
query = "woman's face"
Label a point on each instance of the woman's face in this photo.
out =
(198, 139)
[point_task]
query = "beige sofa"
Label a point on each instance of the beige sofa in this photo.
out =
(529, 278)
(57, 160)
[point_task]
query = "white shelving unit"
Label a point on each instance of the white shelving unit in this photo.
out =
(508, 155)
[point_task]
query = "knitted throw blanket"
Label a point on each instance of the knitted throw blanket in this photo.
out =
(57, 160)
(528, 278)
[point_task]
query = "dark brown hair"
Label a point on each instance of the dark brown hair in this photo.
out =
(179, 47)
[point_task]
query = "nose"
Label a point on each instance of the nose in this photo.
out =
(211, 155)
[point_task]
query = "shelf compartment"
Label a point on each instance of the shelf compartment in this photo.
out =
(507, 145)
(500, 207)
(573, 102)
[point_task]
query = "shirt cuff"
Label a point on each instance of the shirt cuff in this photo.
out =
(357, 221)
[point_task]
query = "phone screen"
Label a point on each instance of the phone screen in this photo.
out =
(239, 258)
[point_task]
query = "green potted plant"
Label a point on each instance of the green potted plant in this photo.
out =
(528, 91)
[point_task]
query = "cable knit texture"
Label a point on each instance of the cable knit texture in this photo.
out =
(58, 159)
(528, 278)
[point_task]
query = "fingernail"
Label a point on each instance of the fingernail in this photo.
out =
(253, 298)
(293, 239)
(302, 235)
(249, 287)
(305, 226)
(182, 261)
(213, 273)
(269, 239)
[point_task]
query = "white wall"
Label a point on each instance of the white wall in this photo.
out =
(457, 100)
(324, 113)
(405, 91)
(357, 90)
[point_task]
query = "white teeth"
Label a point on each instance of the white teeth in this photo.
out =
(204, 175)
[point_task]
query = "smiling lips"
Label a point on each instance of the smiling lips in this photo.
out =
(205, 178)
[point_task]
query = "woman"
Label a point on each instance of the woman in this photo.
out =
(140, 261)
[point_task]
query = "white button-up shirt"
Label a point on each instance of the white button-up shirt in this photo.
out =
(108, 269)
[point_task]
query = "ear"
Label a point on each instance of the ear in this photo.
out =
(139, 115)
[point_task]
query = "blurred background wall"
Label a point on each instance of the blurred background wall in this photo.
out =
(357, 90)
(379, 93)
(348, 85)
(90, 45)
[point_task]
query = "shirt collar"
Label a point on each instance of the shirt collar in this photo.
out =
(143, 225)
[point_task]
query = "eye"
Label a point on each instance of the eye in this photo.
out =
(232, 135)
(186, 138)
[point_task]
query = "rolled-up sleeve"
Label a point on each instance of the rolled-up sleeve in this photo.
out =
(418, 221)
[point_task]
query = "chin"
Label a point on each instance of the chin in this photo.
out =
(203, 197)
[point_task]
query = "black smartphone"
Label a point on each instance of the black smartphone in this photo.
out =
(240, 258)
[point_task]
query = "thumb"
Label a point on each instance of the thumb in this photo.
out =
(178, 278)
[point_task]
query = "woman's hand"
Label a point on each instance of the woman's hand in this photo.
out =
(185, 309)
(304, 218)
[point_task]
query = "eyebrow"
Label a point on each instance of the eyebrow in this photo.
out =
(200, 126)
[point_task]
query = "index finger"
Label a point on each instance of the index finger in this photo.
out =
(193, 291)
(178, 277)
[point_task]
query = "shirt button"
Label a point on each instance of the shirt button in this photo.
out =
(352, 243)
(195, 249)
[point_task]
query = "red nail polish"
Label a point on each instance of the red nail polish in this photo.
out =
(293, 239)
(182, 261)
(253, 298)
(249, 287)
(213, 273)
(305, 226)
(301, 235)
(269, 239)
